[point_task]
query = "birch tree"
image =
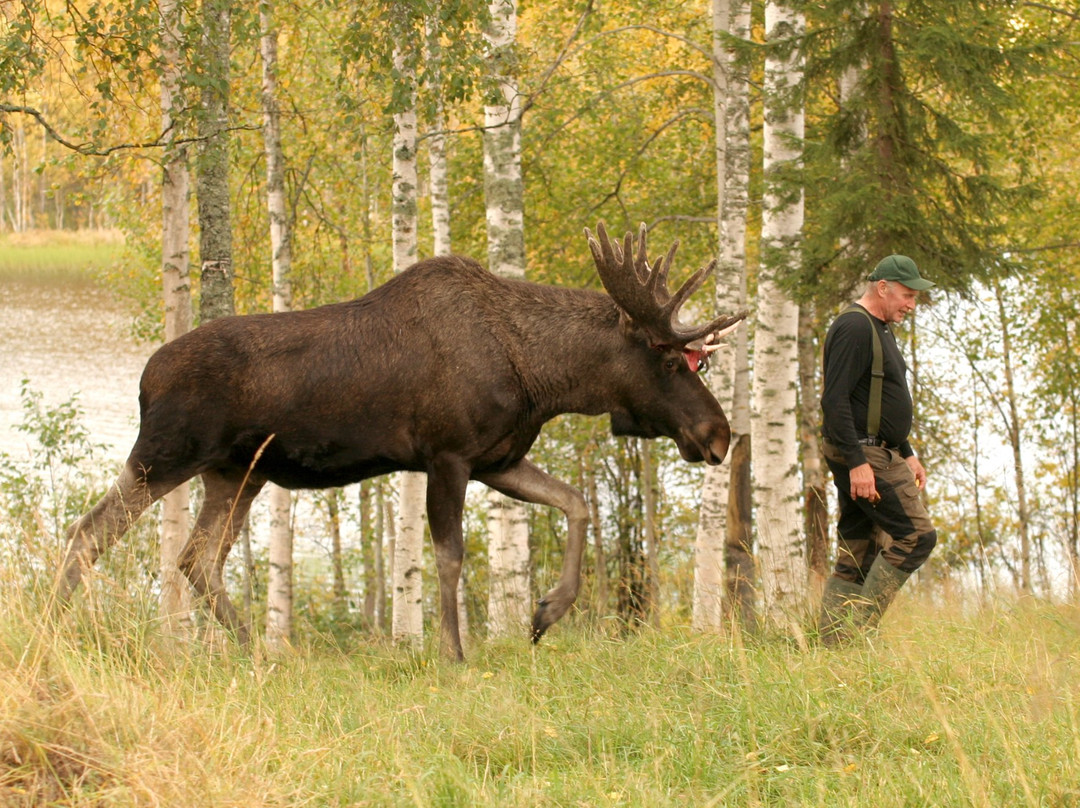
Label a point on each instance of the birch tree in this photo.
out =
(407, 625)
(508, 535)
(279, 595)
(175, 275)
(780, 552)
(439, 182)
(723, 566)
(212, 182)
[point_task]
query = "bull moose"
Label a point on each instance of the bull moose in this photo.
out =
(445, 369)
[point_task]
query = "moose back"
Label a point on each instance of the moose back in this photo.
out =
(446, 369)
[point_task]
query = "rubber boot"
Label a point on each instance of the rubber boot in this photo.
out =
(882, 583)
(841, 603)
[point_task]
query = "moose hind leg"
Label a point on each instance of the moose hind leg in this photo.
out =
(227, 500)
(93, 533)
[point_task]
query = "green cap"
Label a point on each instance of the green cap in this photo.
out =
(901, 269)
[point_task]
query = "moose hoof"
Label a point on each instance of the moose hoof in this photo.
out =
(541, 621)
(549, 610)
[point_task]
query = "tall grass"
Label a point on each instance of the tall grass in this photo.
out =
(940, 708)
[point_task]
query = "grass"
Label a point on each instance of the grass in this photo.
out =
(938, 709)
(48, 254)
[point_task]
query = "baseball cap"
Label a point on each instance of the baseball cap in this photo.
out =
(902, 269)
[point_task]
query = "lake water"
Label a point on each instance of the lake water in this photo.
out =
(69, 337)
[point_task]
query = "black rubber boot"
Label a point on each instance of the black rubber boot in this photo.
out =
(882, 583)
(841, 605)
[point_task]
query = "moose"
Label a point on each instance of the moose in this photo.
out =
(446, 369)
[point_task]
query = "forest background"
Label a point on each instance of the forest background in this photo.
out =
(954, 147)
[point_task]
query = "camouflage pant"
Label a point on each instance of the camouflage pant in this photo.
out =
(897, 526)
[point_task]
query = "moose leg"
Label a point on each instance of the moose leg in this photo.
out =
(93, 533)
(528, 483)
(227, 500)
(447, 479)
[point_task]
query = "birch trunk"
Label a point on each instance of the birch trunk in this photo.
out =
(279, 595)
(438, 169)
(815, 492)
(408, 617)
(652, 536)
(176, 283)
(337, 567)
(369, 551)
(508, 533)
(212, 182)
(723, 569)
(1014, 430)
(781, 555)
(439, 175)
(600, 575)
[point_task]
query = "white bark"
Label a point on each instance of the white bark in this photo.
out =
(438, 170)
(407, 613)
(508, 534)
(729, 367)
(781, 554)
(176, 599)
(503, 191)
(279, 584)
(407, 622)
(279, 595)
(439, 173)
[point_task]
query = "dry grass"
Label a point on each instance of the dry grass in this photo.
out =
(52, 253)
(66, 238)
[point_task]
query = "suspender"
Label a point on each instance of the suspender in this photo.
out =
(877, 373)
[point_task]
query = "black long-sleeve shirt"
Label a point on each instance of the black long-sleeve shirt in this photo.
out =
(849, 355)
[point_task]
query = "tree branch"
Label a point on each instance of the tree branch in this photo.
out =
(90, 150)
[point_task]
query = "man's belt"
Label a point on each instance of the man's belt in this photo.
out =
(875, 441)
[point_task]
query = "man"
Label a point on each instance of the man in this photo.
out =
(884, 529)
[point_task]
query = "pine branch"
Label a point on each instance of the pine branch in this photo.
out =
(1054, 10)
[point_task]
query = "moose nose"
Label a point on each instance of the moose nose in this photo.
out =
(717, 448)
(708, 442)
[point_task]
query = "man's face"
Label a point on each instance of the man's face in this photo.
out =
(897, 301)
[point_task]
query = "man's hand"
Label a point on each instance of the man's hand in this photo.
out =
(862, 483)
(918, 470)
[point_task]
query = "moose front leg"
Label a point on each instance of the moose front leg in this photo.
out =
(447, 480)
(528, 483)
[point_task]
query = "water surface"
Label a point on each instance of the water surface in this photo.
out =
(69, 336)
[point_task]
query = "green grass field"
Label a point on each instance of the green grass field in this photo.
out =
(50, 253)
(940, 708)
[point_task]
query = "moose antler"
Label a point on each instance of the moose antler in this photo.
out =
(641, 291)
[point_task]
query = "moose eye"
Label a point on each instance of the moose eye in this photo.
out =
(671, 364)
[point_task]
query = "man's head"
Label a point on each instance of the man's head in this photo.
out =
(894, 288)
(901, 269)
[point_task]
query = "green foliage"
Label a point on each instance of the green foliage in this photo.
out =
(43, 488)
(921, 154)
(41, 494)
